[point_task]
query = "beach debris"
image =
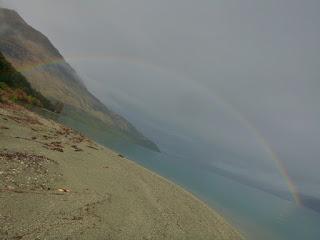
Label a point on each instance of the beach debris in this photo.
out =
(54, 146)
(35, 130)
(56, 143)
(64, 131)
(26, 119)
(76, 148)
(45, 137)
(120, 155)
(92, 147)
(56, 149)
(63, 190)
(4, 127)
(78, 139)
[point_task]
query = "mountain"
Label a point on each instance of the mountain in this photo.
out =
(32, 54)
(15, 87)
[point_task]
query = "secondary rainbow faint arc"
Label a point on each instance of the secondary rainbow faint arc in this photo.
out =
(127, 59)
(109, 57)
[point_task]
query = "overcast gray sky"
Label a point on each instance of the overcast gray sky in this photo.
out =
(223, 73)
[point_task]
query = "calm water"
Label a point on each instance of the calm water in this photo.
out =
(258, 215)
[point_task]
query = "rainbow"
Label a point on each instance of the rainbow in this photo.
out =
(227, 106)
(279, 164)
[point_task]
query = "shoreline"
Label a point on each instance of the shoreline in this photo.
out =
(77, 189)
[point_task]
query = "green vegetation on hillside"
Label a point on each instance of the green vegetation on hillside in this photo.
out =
(15, 87)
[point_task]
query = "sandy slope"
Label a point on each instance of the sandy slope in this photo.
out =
(56, 184)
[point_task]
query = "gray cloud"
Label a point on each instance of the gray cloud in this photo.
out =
(6, 4)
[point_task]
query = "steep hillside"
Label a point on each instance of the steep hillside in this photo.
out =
(15, 87)
(31, 53)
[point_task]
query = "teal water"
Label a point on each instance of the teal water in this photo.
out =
(259, 215)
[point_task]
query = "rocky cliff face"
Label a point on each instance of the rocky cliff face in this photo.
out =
(31, 53)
